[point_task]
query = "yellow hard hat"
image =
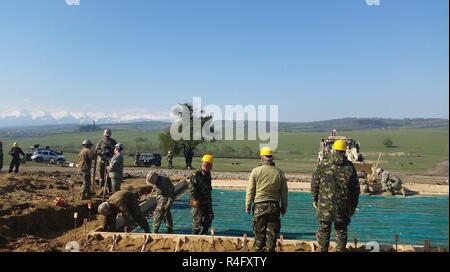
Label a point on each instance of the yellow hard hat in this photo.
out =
(208, 158)
(15, 144)
(340, 145)
(265, 151)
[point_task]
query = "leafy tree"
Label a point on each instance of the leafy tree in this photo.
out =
(186, 146)
(388, 142)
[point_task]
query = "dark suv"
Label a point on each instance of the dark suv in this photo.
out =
(149, 159)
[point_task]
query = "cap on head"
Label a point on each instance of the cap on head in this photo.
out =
(265, 151)
(104, 209)
(107, 132)
(86, 143)
(340, 145)
(208, 158)
(151, 178)
(119, 146)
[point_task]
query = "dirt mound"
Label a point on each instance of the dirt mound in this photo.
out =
(441, 169)
(29, 218)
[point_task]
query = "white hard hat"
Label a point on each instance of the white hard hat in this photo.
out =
(104, 209)
(150, 178)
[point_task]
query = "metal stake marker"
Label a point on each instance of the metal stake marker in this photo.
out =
(85, 225)
(397, 238)
(89, 205)
(75, 216)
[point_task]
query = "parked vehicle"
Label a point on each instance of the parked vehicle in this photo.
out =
(47, 155)
(149, 159)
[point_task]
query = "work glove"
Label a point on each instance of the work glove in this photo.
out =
(283, 211)
(315, 204)
(195, 203)
(211, 215)
(247, 210)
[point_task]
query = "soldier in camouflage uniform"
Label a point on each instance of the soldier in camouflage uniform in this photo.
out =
(335, 190)
(200, 190)
(391, 184)
(15, 153)
(165, 195)
(363, 181)
(116, 168)
(267, 189)
(105, 150)
(124, 202)
(84, 165)
(169, 159)
(137, 157)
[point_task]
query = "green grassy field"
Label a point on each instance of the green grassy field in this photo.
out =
(415, 151)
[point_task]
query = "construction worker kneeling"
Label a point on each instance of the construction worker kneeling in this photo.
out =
(125, 202)
(165, 195)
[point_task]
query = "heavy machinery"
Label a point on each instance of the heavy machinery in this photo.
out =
(353, 154)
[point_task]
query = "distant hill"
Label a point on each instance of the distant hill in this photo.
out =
(365, 124)
(345, 124)
(41, 131)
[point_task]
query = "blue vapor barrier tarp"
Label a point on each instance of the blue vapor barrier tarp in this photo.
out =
(378, 218)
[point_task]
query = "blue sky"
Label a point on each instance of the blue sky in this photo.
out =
(316, 59)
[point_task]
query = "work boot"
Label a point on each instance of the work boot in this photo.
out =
(403, 192)
(388, 193)
(169, 231)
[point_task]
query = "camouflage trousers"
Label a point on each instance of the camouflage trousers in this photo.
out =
(392, 186)
(101, 168)
(86, 175)
(202, 217)
(365, 184)
(116, 181)
(15, 164)
(340, 231)
(162, 213)
(266, 226)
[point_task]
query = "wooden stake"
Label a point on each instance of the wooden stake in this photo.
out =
(146, 238)
(281, 243)
(427, 246)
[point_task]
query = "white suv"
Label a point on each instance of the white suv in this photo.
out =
(46, 156)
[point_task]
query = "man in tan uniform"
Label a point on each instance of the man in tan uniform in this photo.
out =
(267, 188)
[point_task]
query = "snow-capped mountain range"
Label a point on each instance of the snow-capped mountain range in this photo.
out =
(39, 117)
